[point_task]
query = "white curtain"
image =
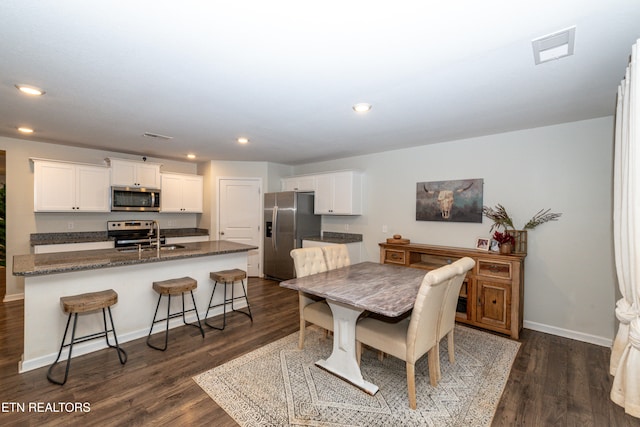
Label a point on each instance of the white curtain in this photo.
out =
(625, 354)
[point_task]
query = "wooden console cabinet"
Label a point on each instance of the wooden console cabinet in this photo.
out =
(492, 295)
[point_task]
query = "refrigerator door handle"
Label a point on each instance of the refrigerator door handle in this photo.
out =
(274, 227)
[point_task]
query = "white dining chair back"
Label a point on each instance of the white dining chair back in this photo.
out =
(312, 309)
(308, 261)
(413, 337)
(336, 256)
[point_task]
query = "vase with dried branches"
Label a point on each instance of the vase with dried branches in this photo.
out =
(501, 219)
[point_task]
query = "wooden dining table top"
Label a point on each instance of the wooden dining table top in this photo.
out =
(385, 289)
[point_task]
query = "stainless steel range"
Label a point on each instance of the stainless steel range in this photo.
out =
(134, 233)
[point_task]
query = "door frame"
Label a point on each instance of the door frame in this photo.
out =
(260, 212)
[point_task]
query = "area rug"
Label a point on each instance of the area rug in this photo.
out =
(279, 385)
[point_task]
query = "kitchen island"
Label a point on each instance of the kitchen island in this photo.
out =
(130, 272)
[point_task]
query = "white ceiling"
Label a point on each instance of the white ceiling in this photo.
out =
(286, 73)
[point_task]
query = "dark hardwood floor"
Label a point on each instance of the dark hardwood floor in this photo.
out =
(554, 381)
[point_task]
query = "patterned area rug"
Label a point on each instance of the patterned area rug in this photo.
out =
(279, 385)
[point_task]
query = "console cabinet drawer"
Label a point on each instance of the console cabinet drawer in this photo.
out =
(394, 257)
(494, 269)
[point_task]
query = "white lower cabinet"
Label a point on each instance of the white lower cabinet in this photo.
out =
(186, 239)
(68, 247)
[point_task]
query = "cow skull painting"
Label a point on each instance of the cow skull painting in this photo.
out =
(451, 201)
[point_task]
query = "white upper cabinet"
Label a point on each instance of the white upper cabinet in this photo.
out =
(338, 193)
(181, 193)
(129, 173)
(70, 187)
(299, 183)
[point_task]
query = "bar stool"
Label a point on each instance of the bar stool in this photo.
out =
(174, 287)
(227, 277)
(85, 303)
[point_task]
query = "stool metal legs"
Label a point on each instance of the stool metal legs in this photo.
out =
(122, 355)
(225, 302)
(171, 316)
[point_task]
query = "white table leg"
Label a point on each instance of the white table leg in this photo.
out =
(342, 361)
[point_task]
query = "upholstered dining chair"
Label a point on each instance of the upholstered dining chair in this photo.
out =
(448, 312)
(417, 335)
(336, 256)
(309, 261)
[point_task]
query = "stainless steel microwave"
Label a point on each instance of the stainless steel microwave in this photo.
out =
(135, 199)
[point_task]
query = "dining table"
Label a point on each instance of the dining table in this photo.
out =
(384, 289)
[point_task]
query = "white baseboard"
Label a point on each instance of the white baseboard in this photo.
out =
(566, 333)
(13, 297)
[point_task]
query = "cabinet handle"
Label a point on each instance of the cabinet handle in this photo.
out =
(494, 268)
(494, 301)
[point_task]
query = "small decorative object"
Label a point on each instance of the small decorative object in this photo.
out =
(449, 201)
(398, 240)
(505, 240)
(501, 218)
(482, 243)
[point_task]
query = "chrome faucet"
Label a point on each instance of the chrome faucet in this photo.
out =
(155, 225)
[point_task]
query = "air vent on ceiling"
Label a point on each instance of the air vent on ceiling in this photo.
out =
(156, 135)
(554, 46)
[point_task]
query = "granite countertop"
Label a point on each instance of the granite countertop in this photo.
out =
(333, 237)
(101, 236)
(65, 262)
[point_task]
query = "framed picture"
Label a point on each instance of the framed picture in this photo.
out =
(450, 201)
(494, 246)
(483, 243)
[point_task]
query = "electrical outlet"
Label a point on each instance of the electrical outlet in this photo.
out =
(172, 223)
(70, 225)
(346, 227)
(384, 228)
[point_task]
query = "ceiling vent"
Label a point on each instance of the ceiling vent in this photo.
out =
(157, 135)
(554, 46)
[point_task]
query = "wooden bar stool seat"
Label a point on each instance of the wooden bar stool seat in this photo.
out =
(86, 303)
(168, 288)
(227, 277)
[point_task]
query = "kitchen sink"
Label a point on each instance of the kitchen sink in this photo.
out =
(170, 247)
(150, 248)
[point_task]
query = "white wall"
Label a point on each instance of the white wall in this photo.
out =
(570, 284)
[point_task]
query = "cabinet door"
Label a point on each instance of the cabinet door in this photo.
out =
(338, 193)
(171, 196)
(148, 175)
(192, 194)
(323, 203)
(343, 187)
(299, 183)
(123, 173)
(289, 184)
(54, 187)
(92, 189)
(494, 304)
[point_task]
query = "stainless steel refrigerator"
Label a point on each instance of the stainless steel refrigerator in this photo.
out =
(288, 219)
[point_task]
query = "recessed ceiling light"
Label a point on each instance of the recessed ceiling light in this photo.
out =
(25, 130)
(191, 156)
(30, 90)
(242, 140)
(361, 107)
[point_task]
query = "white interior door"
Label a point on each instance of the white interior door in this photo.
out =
(239, 215)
